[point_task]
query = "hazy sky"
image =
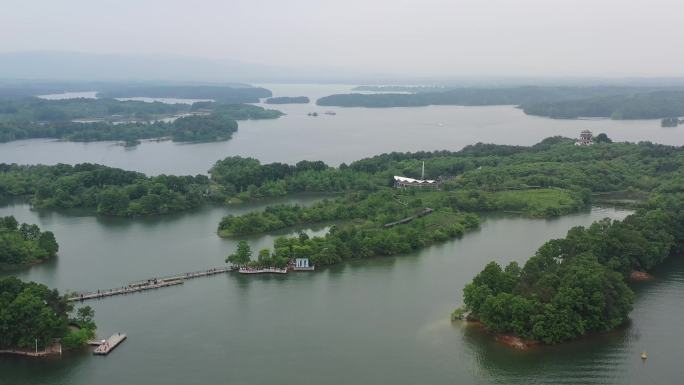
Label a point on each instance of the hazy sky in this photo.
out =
(427, 37)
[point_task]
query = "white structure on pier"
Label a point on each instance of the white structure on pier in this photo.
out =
(302, 264)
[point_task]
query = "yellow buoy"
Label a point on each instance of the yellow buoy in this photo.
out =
(644, 355)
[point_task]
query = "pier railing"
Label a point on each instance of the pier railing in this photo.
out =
(148, 284)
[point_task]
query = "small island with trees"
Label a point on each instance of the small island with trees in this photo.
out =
(671, 122)
(288, 100)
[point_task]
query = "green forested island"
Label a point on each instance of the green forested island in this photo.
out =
(223, 94)
(555, 102)
(111, 119)
(288, 100)
(33, 317)
(551, 178)
(24, 244)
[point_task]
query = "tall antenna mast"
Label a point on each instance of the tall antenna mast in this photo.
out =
(422, 174)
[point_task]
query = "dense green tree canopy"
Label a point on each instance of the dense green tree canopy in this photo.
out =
(31, 313)
(576, 285)
(108, 190)
(23, 244)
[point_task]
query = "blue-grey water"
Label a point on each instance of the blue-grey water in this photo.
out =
(376, 321)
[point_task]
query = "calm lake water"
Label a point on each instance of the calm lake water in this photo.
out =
(377, 321)
(349, 135)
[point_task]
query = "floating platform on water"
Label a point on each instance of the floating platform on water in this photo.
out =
(304, 268)
(266, 270)
(109, 344)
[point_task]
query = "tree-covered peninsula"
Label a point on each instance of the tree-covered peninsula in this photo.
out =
(23, 244)
(33, 317)
(288, 100)
(577, 285)
(105, 190)
(109, 119)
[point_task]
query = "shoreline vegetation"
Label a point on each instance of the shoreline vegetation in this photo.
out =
(85, 120)
(548, 179)
(34, 318)
(612, 102)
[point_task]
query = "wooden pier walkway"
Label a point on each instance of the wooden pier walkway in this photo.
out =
(422, 213)
(148, 284)
(109, 344)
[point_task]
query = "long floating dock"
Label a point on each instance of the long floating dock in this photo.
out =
(148, 284)
(109, 344)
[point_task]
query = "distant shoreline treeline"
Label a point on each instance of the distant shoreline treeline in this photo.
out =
(223, 94)
(555, 102)
(288, 100)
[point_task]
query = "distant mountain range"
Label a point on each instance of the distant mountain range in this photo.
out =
(168, 68)
(60, 65)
